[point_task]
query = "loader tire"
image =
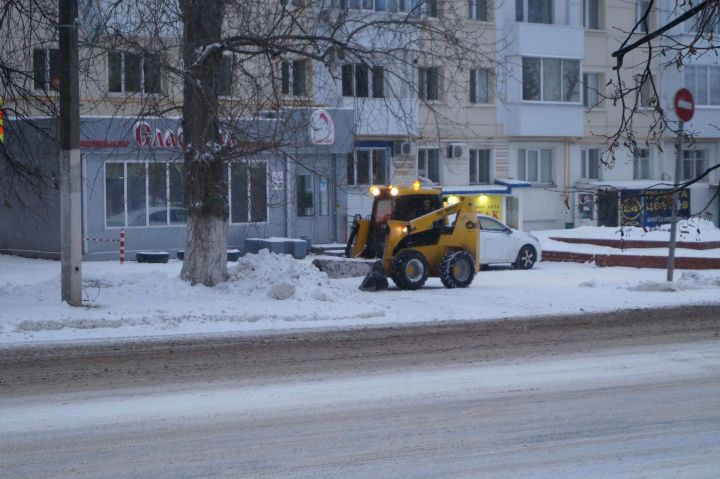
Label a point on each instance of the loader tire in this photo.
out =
(409, 270)
(457, 269)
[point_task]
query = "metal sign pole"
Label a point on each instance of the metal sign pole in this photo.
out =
(675, 200)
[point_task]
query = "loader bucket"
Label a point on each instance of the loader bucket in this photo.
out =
(375, 279)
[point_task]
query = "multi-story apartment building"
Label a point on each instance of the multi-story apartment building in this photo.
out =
(529, 130)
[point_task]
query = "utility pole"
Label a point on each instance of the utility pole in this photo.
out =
(70, 169)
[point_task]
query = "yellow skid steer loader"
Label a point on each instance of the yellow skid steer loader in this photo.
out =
(414, 237)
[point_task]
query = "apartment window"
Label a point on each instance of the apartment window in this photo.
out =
(479, 85)
(429, 8)
(248, 192)
(479, 166)
(551, 79)
(376, 5)
(133, 72)
(428, 164)
(429, 83)
(641, 8)
(367, 166)
(592, 14)
(46, 73)
(590, 164)
(534, 11)
(224, 76)
(645, 91)
(398, 5)
(535, 165)
(294, 77)
(592, 84)
(477, 10)
(704, 83)
(360, 81)
(694, 164)
(144, 194)
(641, 164)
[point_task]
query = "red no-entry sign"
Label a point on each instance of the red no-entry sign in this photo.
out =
(684, 104)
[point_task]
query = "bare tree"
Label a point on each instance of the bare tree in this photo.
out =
(265, 43)
(655, 49)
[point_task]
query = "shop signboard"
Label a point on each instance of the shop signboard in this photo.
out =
(490, 205)
(631, 207)
(658, 207)
(650, 209)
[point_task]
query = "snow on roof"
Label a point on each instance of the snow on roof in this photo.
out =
(474, 189)
(513, 182)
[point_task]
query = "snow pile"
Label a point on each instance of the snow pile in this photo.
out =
(689, 280)
(280, 276)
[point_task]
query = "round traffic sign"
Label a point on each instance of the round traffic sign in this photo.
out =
(684, 104)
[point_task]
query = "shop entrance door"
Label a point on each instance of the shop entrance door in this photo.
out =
(512, 212)
(313, 197)
(608, 208)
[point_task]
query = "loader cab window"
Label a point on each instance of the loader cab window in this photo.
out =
(408, 208)
(382, 210)
(404, 208)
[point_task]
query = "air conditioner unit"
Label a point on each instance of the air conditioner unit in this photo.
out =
(404, 148)
(456, 150)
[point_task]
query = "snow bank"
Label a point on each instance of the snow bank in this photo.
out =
(271, 292)
(693, 229)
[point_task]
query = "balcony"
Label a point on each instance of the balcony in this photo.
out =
(546, 40)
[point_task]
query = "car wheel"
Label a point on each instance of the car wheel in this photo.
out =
(457, 269)
(409, 270)
(526, 257)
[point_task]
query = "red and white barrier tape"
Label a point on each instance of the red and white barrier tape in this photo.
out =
(108, 240)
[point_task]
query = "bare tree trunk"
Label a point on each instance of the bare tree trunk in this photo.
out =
(205, 178)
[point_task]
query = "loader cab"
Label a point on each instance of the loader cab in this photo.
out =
(405, 205)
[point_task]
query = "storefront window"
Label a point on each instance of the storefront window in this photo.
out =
(258, 193)
(176, 200)
(154, 194)
(115, 194)
(157, 194)
(239, 194)
(248, 192)
(136, 206)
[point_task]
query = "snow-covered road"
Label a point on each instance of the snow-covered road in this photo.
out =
(647, 412)
(613, 398)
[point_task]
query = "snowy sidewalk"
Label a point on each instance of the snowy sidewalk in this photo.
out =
(268, 292)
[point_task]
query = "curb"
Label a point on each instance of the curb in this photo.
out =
(632, 244)
(631, 261)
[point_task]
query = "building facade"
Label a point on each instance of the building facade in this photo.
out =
(525, 125)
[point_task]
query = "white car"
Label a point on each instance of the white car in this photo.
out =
(500, 244)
